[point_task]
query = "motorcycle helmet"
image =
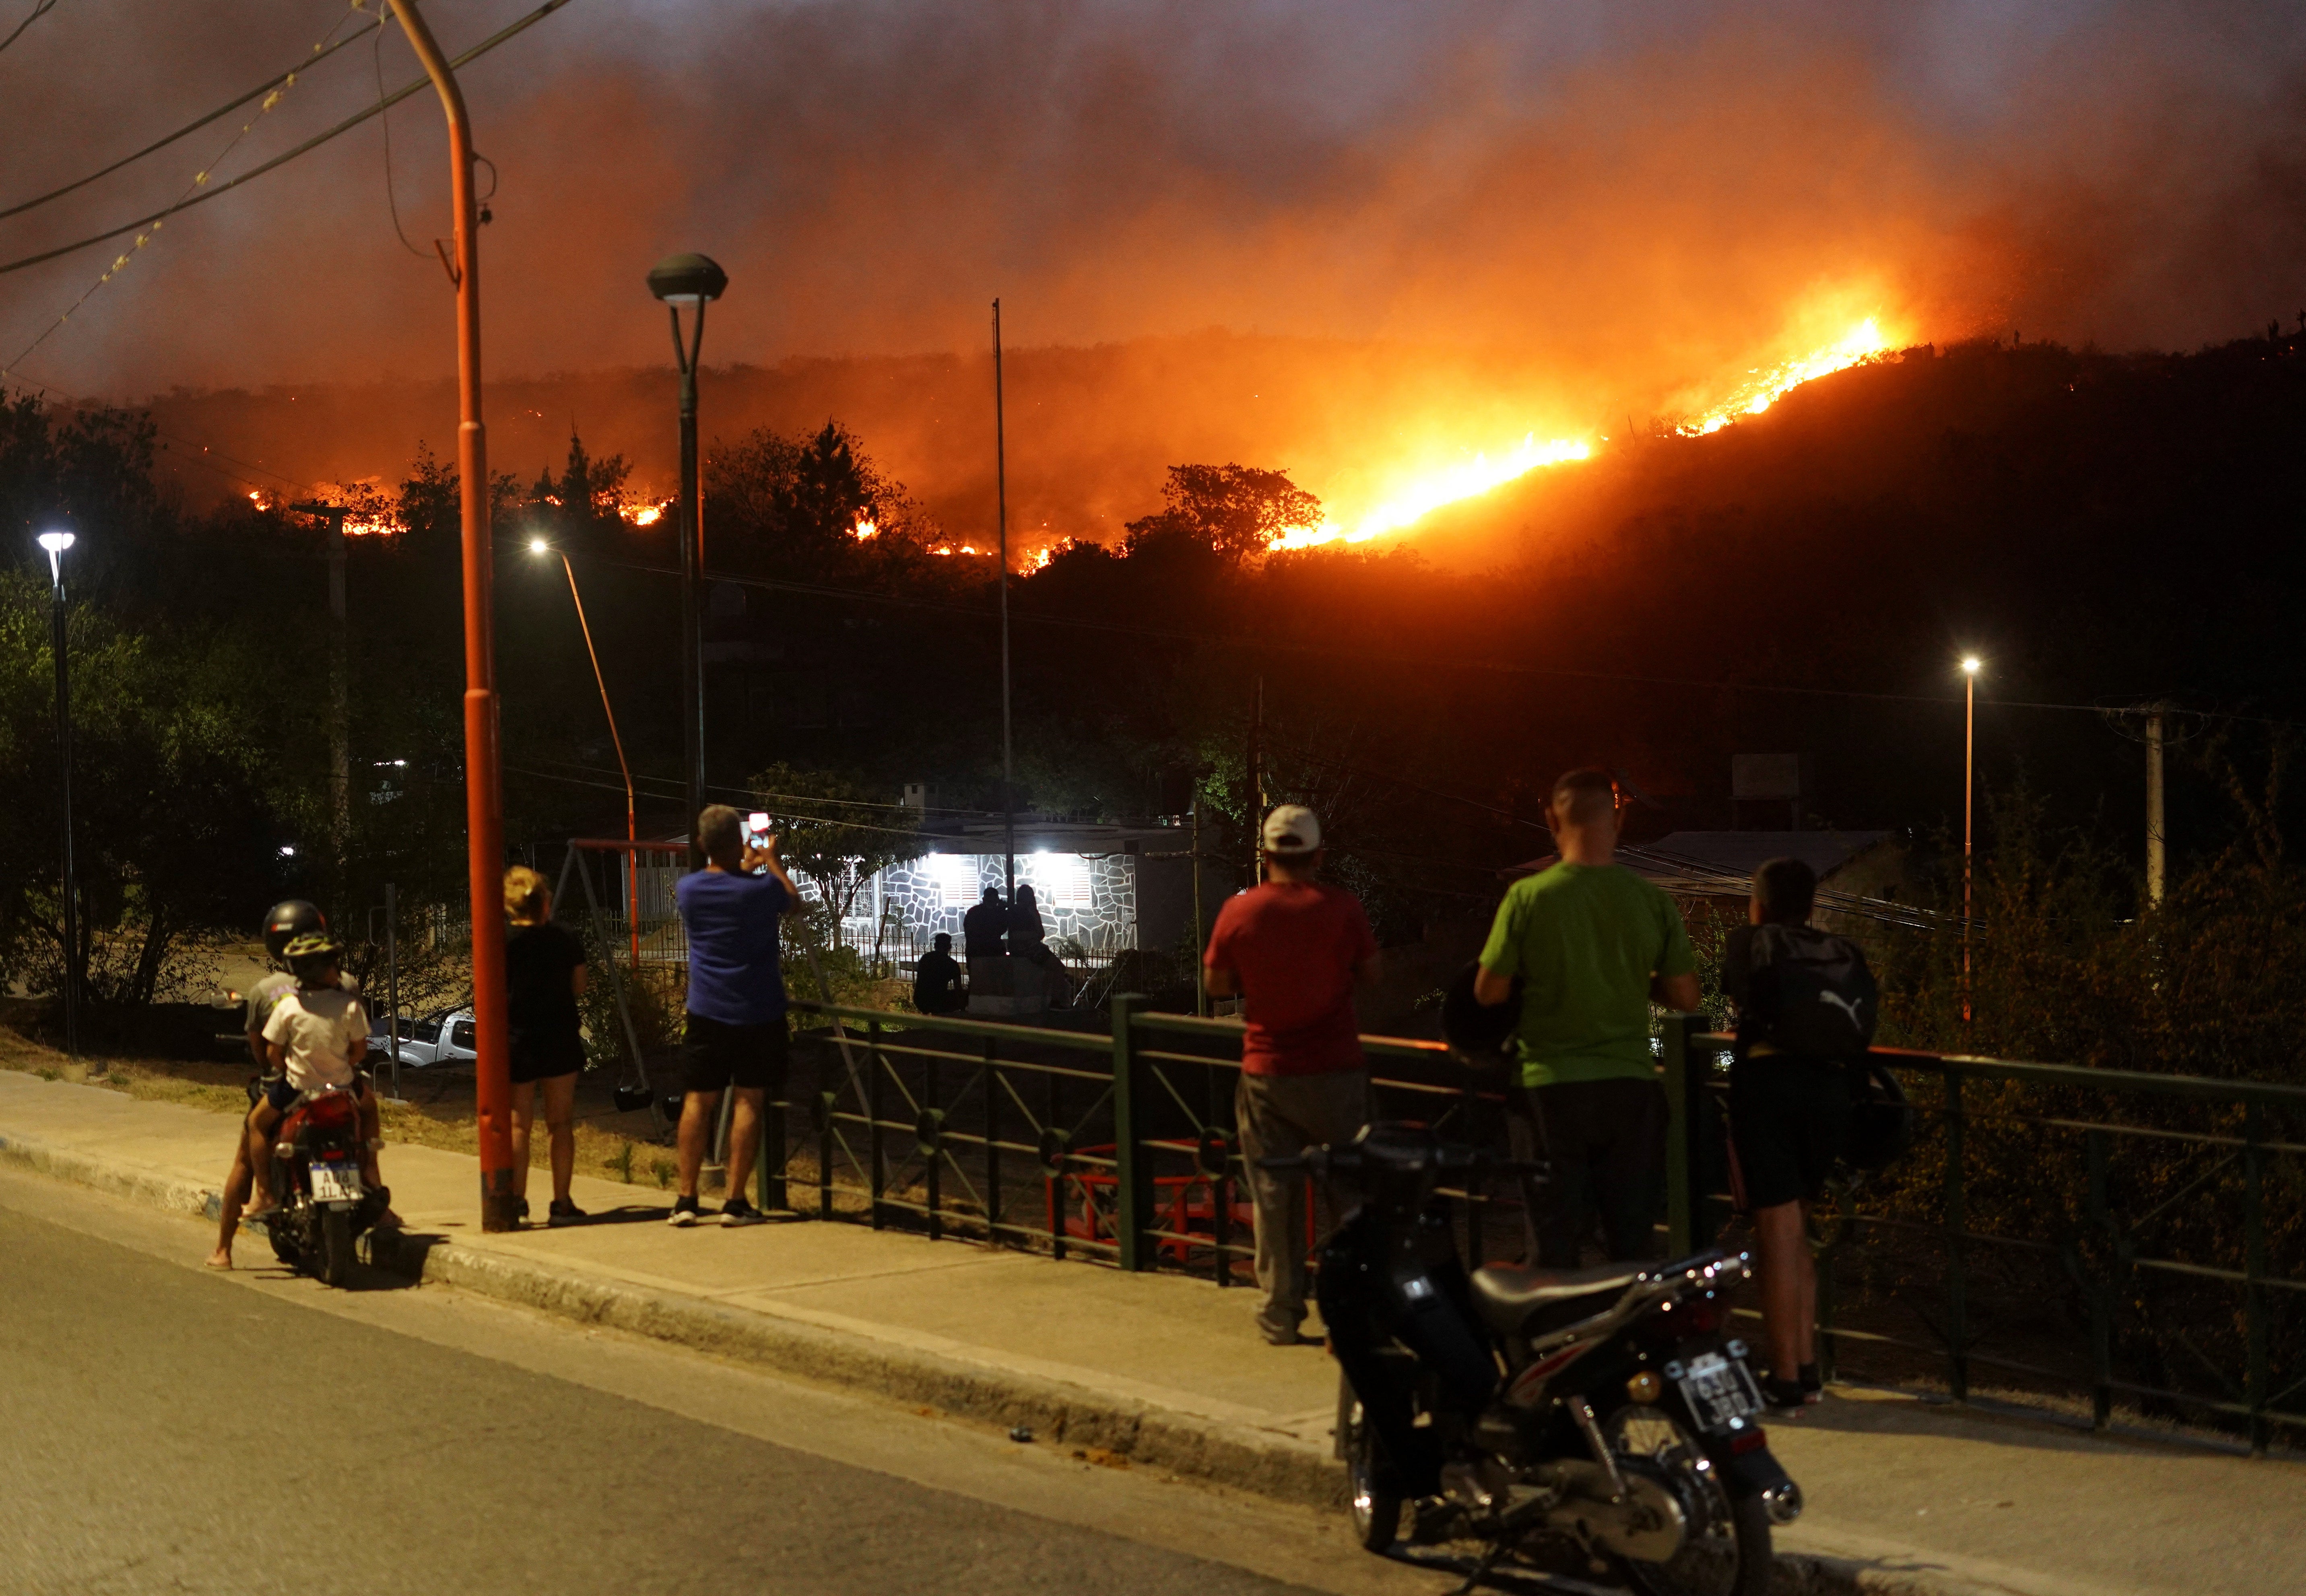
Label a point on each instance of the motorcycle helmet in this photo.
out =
(287, 920)
(1478, 1033)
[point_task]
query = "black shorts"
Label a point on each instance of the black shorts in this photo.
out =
(1789, 1121)
(545, 1058)
(749, 1057)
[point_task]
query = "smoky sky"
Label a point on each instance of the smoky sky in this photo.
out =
(1626, 197)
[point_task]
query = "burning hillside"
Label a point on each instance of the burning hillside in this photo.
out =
(1417, 491)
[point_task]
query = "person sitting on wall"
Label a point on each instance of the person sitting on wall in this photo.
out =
(937, 986)
(1029, 941)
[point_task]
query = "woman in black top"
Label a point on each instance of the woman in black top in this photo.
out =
(544, 975)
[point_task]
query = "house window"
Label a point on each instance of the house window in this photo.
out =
(1062, 880)
(955, 874)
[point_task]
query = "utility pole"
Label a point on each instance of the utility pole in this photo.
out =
(1001, 495)
(340, 771)
(1257, 784)
(1969, 797)
(75, 967)
(2157, 835)
(483, 781)
(1200, 976)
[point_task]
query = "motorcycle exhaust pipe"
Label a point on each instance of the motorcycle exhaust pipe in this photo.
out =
(1782, 1503)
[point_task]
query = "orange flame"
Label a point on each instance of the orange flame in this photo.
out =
(865, 529)
(1417, 493)
(1765, 385)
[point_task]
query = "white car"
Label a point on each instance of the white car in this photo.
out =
(441, 1039)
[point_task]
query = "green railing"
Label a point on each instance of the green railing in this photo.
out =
(2141, 1238)
(2042, 1197)
(1117, 1144)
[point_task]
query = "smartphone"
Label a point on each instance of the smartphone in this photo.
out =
(757, 828)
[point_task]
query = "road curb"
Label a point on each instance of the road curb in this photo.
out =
(137, 1183)
(1110, 1431)
(1134, 1434)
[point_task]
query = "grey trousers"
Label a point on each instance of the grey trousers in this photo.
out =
(1280, 1116)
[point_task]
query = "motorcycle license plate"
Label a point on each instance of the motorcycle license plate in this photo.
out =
(1719, 1389)
(337, 1183)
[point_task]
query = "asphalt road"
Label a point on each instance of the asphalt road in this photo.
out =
(167, 1429)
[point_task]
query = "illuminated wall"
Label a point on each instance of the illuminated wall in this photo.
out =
(1087, 899)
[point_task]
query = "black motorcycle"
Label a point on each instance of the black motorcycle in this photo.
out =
(1597, 1414)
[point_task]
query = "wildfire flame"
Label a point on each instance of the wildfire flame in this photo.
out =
(1427, 494)
(1765, 386)
(865, 529)
(1411, 501)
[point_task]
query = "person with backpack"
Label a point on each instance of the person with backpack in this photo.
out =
(1806, 1006)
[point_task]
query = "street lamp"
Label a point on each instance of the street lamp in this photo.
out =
(539, 548)
(690, 280)
(55, 543)
(1970, 665)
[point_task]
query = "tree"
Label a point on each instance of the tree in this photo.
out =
(814, 506)
(1231, 511)
(835, 831)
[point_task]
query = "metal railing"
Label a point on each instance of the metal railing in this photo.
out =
(1116, 1144)
(2139, 1238)
(2036, 1229)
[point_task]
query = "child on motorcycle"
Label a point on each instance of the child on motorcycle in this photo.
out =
(315, 1037)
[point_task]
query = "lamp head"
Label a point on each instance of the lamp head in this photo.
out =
(1970, 666)
(539, 546)
(687, 279)
(55, 543)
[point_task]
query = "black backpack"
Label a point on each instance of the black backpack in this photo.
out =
(1810, 993)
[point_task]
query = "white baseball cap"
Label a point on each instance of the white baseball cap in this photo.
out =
(1292, 828)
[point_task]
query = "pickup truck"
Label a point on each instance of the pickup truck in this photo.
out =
(440, 1039)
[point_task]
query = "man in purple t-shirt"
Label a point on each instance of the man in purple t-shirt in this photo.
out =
(736, 1032)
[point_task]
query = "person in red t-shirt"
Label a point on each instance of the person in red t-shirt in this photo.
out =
(1292, 950)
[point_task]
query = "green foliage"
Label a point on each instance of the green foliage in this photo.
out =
(838, 830)
(178, 800)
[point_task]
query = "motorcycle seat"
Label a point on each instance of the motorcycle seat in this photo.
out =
(1510, 1296)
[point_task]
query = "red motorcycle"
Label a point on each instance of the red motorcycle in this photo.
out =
(316, 1173)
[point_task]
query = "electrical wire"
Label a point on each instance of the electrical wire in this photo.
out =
(384, 120)
(199, 180)
(306, 147)
(320, 52)
(39, 11)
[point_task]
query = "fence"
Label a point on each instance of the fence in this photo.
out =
(2141, 1238)
(1116, 1144)
(2039, 1227)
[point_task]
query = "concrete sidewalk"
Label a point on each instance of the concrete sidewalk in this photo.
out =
(1163, 1372)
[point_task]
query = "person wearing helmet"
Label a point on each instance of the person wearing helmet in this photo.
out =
(283, 924)
(315, 1038)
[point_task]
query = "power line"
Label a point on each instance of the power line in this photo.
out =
(306, 147)
(320, 52)
(39, 11)
(199, 180)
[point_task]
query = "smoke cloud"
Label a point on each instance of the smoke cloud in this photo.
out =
(1568, 214)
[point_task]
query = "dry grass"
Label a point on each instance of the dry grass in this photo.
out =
(438, 1112)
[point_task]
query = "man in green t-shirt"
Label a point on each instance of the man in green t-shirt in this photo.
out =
(1593, 946)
